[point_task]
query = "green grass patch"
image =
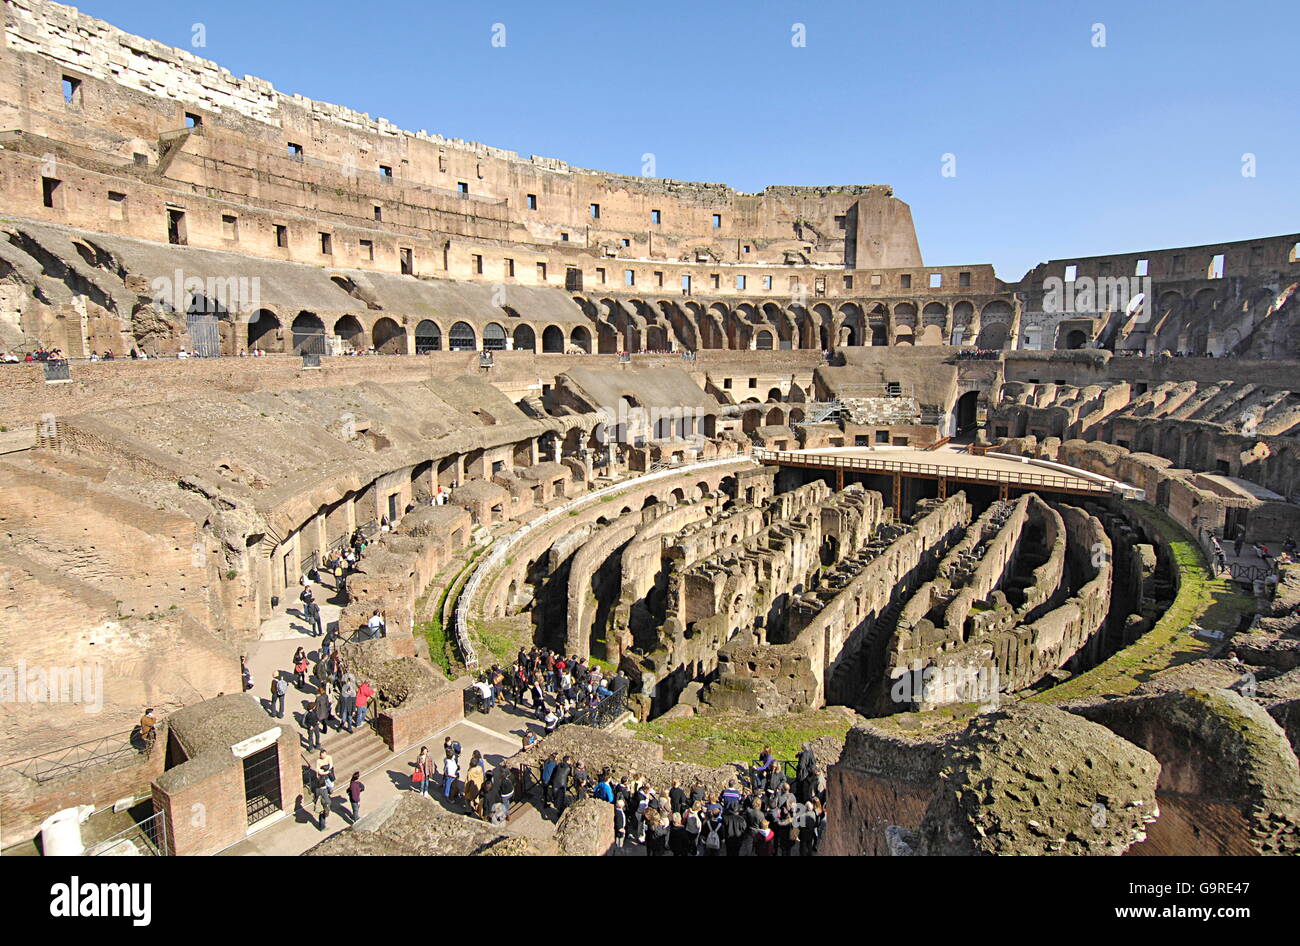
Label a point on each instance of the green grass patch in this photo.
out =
(1202, 600)
(719, 740)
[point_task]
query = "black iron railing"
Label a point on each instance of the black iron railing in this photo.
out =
(603, 713)
(71, 759)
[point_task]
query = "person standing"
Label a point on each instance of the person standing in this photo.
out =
(423, 769)
(364, 693)
(321, 709)
(300, 667)
(324, 800)
(560, 782)
(355, 788)
(313, 618)
(348, 700)
(450, 770)
(278, 690)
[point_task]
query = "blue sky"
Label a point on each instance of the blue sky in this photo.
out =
(1062, 148)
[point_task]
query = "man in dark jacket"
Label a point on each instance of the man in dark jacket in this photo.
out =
(806, 762)
(560, 781)
(734, 829)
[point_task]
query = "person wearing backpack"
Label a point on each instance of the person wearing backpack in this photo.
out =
(712, 843)
(278, 690)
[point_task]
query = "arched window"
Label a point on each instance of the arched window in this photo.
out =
(763, 341)
(428, 337)
(552, 340)
(581, 338)
(262, 326)
(494, 337)
(462, 338)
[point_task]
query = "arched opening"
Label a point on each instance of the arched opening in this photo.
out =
(966, 411)
(350, 333)
(580, 338)
(262, 326)
(607, 338)
(763, 340)
(552, 340)
(775, 418)
(1076, 339)
(494, 337)
(462, 338)
(524, 338)
(390, 338)
(428, 337)
(774, 394)
(308, 334)
(992, 336)
(879, 336)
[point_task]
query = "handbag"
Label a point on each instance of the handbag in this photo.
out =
(418, 774)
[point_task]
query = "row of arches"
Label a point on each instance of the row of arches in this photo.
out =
(637, 324)
(308, 334)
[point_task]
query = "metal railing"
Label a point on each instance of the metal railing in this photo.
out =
(72, 759)
(502, 546)
(603, 713)
(975, 474)
(147, 837)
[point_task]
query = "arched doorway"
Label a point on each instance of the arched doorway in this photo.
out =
(390, 338)
(262, 326)
(308, 334)
(1076, 338)
(965, 411)
(349, 332)
(525, 339)
(552, 340)
(580, 338)
(763, 341)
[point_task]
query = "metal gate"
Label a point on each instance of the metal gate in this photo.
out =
(262, 783)
(205, 335)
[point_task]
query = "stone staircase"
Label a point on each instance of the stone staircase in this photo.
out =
(358, 751)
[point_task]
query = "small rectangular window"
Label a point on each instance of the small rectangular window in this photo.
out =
(767, 282)
(564, 238)
(625, 242)
(379, 212)
(51, 194)
(656, 217)
(905, 281)
(477, 263)
(659, 279)
(753, 382)
(462, 188)
(193, 121)
(532, 201)
(230, 226)
(840, 222)
(686, 284)
(1141, 268)
(726, 384)
(541, 272)
(116, 206)
(326, 244)
(745, 248)
(385, 171)
(295, 151)
(936, 280)
(717, 221)
(1071, 273)
(368, 249)
(600, 275)
(1215, 270)
(510, 268)
(407, 258)
(848, 282)
(629, 277)
(176, 231)
(875, 279)
(963, 280)
(281, 235)
(72, 90)
(740, 282)
(594, 209)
